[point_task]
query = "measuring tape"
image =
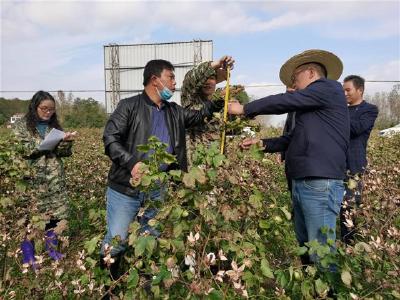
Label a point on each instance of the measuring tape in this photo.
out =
(223, 137)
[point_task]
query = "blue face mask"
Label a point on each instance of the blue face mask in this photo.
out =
(165, 93)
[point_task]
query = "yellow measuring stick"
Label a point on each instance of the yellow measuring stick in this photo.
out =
(223, 137)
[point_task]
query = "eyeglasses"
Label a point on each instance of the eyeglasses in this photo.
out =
(46, 109)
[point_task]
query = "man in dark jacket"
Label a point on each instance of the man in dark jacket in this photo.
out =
(362, 119)
(317, 147)
(131, 124)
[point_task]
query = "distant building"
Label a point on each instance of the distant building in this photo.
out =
(16, 117)
(124, 64)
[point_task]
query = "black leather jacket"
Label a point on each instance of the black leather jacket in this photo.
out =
(130, 125)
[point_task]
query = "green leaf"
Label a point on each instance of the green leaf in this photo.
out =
(84, 279)
(178, 245)
(218, 160)
(212, 174)
(360, 247)
(91, 245)
(21, 186)
(92, 262)
(323, 250)
(281, 278)
(256, 152)
(164, 244)
(264, 224)
(291, 272)
(189, 180)
(155, 289)
(145, 180)
(132, 238)
(167, 158)
(265, 269)
(288, 215)
(250, 279)
(5, 202)
(134, 227)
(182, 193)
(346, 278)
(301, 250)
(133, 278)
(140, 245)
(351, 184)
(143, 148)
(150, 244)
(396, 294)
(215, 295)
(233, 180)
(307, 290)
(163, 274)
(94, 214)
(255, 200)
(176, 174)
(178, 230)
(198, 175)
(321, 287)
(176, 214)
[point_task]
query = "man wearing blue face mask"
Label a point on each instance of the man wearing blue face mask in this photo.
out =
(131, 124)
(165, 94)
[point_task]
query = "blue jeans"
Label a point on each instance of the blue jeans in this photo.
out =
(316, 204)
(122, 211)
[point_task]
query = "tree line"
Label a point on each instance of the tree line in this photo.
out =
(89, 113)
(388, 105)
(72, 112)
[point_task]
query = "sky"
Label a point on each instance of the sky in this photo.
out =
(58, 45)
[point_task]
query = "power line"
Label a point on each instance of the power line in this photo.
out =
(65, 91)
(249, 85)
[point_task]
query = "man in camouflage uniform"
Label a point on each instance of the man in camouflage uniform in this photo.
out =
(47, 176)
(199, 87)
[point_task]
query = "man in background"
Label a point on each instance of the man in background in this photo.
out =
(362, 119)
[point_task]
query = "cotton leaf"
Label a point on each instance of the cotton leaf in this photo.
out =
(189, 180)
(265, 269)
(346, 278)
(351, 184)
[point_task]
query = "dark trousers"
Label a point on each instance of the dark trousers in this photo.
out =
(351, 202)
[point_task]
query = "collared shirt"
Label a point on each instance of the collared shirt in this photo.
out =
(160, 130)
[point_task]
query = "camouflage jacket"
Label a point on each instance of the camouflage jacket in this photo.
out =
(192, 98)
(47, 171)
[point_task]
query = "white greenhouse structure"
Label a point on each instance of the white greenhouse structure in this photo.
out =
(124, 65)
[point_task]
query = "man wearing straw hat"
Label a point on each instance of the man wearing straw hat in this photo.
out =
(317, 147)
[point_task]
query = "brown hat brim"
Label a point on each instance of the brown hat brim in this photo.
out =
(330, 61)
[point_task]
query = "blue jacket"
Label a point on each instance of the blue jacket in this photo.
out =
(362, 119)
(317, 147)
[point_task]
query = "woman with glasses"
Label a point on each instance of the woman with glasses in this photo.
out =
(48, 196)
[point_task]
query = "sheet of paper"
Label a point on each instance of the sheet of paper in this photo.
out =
(52, 139)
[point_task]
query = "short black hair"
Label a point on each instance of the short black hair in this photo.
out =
(155, 67)
(358, 81)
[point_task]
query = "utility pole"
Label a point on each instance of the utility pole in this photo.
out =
(197, 55)
(115, 76)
